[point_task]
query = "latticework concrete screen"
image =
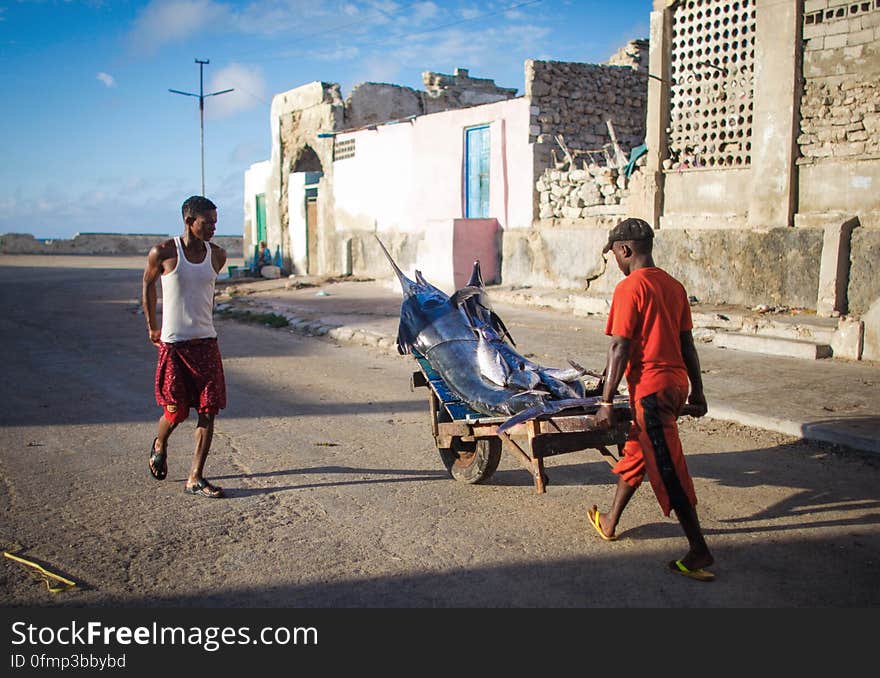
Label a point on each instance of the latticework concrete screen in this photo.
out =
(712, 84)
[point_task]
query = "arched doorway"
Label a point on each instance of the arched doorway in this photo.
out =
(305, 175)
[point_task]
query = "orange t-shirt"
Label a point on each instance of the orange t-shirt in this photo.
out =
(650, 308)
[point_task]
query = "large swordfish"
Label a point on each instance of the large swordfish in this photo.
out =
(435, 325)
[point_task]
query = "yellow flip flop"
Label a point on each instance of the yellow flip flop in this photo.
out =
(594, 521)
(678, 567)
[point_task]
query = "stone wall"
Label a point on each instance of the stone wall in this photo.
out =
(576, 101)
(633, 54)
(446, 92)
(101, 243)
(571, 193)
(370, 103)
(840, 106)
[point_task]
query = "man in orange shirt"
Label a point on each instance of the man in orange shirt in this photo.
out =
(652, 344)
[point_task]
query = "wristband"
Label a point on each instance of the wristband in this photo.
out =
(602, 402)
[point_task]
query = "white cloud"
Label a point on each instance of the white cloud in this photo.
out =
(164, 21)
(106, 78)
(249, 87)
(295, 18)
(375, 69)
(348, 53)
(422, 11)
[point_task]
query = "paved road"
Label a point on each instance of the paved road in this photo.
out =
(337, 497)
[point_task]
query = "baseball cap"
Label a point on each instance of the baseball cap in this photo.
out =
(629, 229)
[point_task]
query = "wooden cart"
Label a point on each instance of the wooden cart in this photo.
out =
(470, 445)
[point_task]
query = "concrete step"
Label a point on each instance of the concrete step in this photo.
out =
(803, 327)
(814, 330)
(793, 348)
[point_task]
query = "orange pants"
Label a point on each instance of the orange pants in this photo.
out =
(653, 447)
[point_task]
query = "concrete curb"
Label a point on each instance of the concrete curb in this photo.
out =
(319, 327)
(811, 431)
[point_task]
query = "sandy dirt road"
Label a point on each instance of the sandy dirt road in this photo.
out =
(337, 497)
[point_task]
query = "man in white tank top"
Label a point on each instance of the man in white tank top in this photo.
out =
(189, 371)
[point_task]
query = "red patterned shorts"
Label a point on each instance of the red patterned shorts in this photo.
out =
(190, 374)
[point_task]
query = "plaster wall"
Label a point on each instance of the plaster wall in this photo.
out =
(564, 257)
(728, 266)
(256, 181)
(706, 198)
(447, 257)
(863, 289)
(405, 176)
(841, 186)
(777, 48)
(745, 268)
(297, 219)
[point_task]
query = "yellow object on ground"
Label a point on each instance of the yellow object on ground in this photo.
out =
(54, 582)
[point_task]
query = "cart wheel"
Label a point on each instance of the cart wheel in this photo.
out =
(472, 462)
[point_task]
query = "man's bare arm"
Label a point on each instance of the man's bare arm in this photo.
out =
(152, 271)
(218, 257)
(618, 357)
(692, 362)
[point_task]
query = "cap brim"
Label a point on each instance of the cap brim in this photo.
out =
(607, 247)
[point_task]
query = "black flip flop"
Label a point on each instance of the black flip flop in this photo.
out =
(158, 462)
(204, 489)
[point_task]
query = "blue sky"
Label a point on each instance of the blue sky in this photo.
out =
(92, 140)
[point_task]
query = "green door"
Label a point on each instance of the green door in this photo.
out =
(261, 217)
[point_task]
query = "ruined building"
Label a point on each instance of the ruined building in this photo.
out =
(746, 132)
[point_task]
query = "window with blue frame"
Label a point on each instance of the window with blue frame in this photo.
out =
(311, 183)
(477, 172)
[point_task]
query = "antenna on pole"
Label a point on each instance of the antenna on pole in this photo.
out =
(201, 96)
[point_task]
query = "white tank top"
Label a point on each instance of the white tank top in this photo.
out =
(188, 298)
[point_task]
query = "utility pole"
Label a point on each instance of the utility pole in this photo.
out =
(201, 96)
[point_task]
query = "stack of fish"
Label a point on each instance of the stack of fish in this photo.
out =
(466, 342)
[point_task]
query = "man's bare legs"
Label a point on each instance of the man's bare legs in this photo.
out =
(158, 457)
(196, 483)
(608, 521)
(204, 435)
(163, 432)
(698, 556)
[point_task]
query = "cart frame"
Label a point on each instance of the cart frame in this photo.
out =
(470, 445)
